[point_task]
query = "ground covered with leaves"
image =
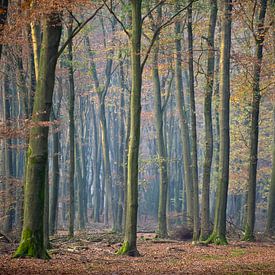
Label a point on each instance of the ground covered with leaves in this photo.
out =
(94, 253)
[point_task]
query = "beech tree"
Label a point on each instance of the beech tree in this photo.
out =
(254, 132)
(205, 211)
(139, 123)
(270, 225)
(32, 243)
(218, 235)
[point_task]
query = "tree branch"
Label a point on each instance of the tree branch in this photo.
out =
(168, 94)
(150, 11)
(75, 19)
(157, 32)
(117, 19)
(77, 30)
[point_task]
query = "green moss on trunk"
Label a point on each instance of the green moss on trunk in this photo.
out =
(216, 238)
(248, 236)
(31, 245)
(127, 250)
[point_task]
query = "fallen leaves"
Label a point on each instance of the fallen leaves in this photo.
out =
(95, 254)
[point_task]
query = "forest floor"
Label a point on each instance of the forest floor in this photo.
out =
(94, 253)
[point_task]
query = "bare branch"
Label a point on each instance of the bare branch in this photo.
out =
(157, 31)
(75, 19)
(117, 19)
(150, 11)
(77, 30)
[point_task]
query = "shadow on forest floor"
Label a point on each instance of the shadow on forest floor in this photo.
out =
(94, 253)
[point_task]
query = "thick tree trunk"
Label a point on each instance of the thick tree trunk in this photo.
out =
(101, 93)
(8, 160)
(80, 183)
(96, 169)
(106, 160)
(162, 158)
(194, 155)
(46, 209)
(129, 246)
(216, 138)
(208, 122)
(218, 235)
(32, 244)
(188, 182)
(71, 133)
(254, 130)
(270, 225)
(55, 183)
(121, 160)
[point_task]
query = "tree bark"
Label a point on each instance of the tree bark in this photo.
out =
(208, 122)
(270, 225)
(32, 244)
(71, 133)
(218, 235)
(188, 182)
(101, 93)
(129, 246)
(254, 130)
(194, 155)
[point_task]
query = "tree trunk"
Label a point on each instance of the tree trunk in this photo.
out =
(8, 162)
(101, 93)
(218, 235)
(121, 160)
(32, 244)
(184, 130)
(270, 225)
(208, 122)
(71, 132)
(96, 169)
(55, 182)
(162, 158)
(80, 183)
(254, 130)
(194, 155)
(129, 246)
(46, 208)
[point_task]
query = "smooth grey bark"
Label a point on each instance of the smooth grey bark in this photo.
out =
(193, 126)
(218, 235)
(208, 122)
(270, 225)
(158, 116)
(32, 244)
(71, 132)
(8, 160)
(185, 139)
(129, 246)
(55, 185)
(121, 155)
(254, 130)
(101, 93)
(96, 168)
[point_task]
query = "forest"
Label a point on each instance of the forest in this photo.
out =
(137, 137)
